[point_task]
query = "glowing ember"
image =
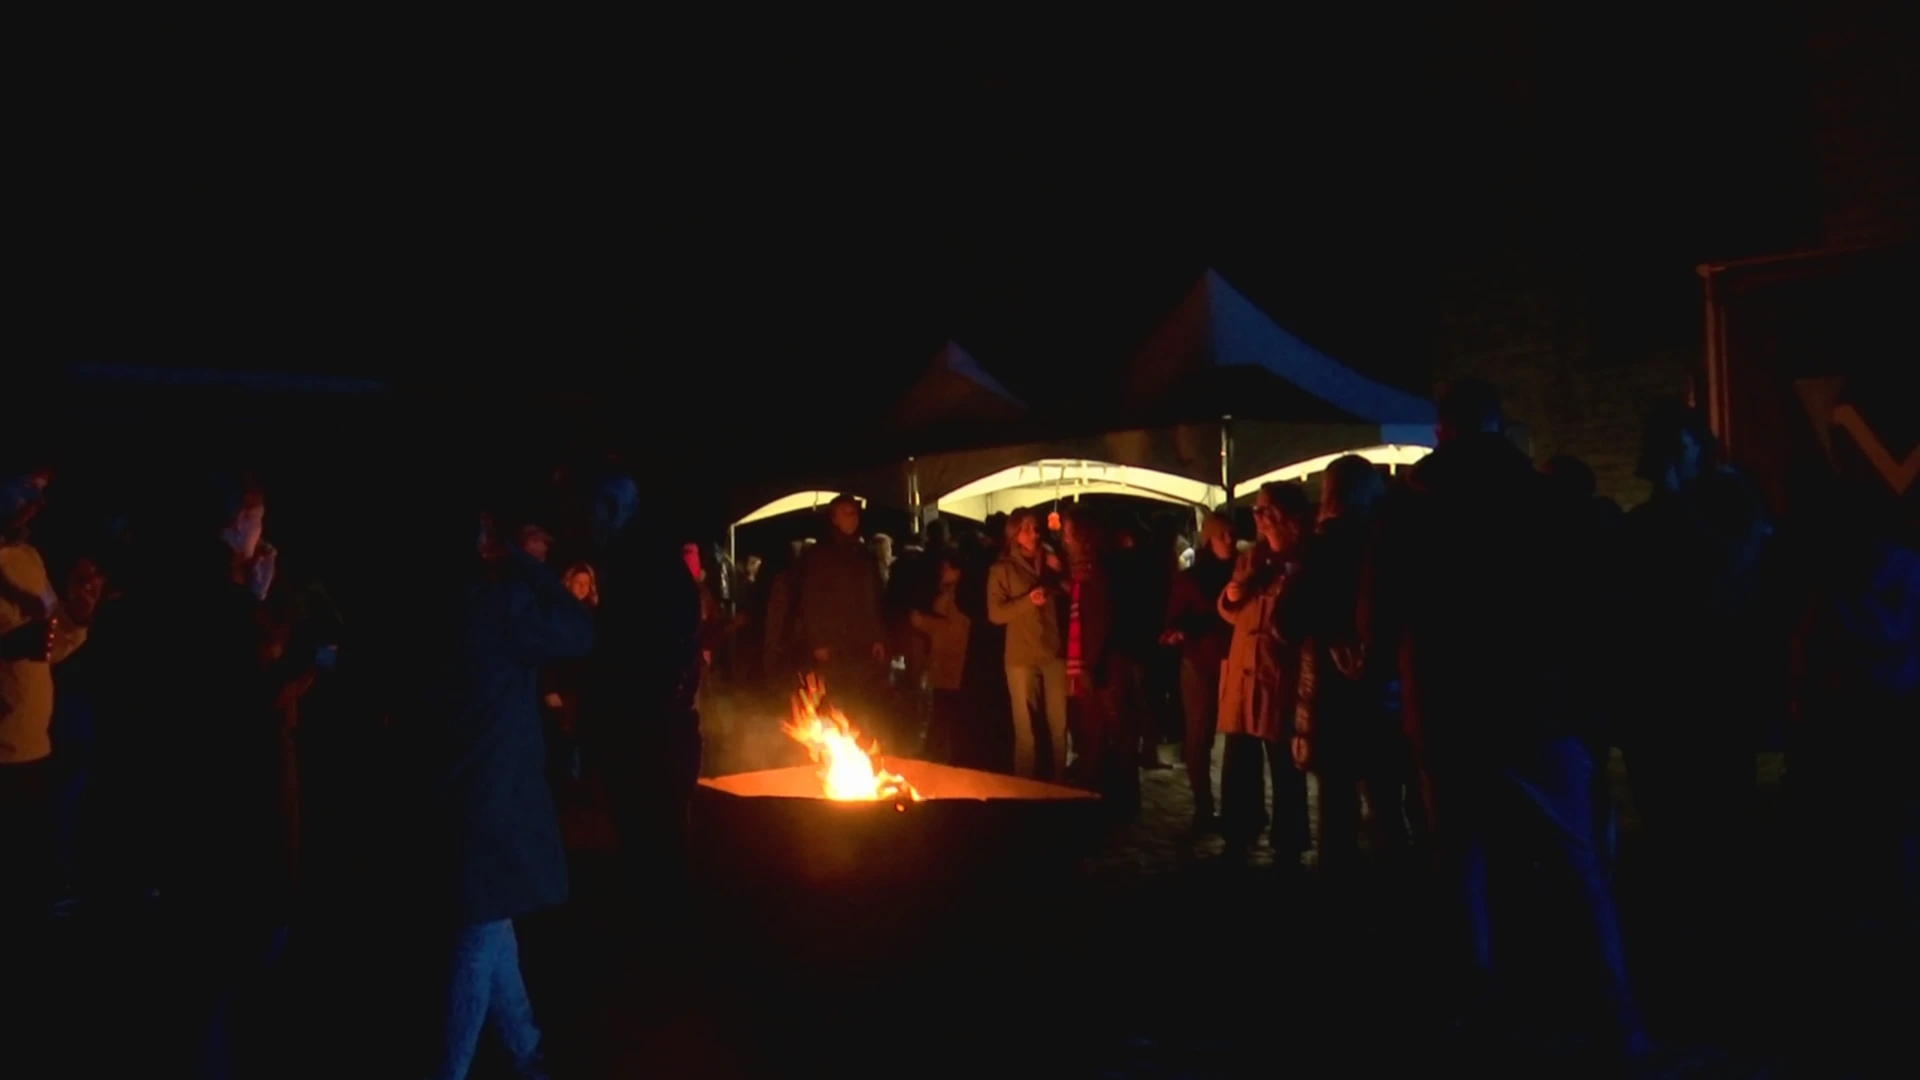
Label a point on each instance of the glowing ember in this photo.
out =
(848, 771)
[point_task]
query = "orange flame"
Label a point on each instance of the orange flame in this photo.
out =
(849, 772)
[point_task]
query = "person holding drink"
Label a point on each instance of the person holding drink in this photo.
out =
(1258, 680)
(1023, 593)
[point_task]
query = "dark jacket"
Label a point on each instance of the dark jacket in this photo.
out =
(199, 663)
(1472, 593)
(1191, 610)
(1698, 640)
(637, 702)
(1139, 586)
(491, 847)
(838, 599)
(1116, 623)
(1343, 717)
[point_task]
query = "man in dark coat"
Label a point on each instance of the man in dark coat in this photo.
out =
(839, 617)
(639, 725)
(1473, 593)
(491, 848)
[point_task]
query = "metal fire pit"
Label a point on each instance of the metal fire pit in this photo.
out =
(774, 827)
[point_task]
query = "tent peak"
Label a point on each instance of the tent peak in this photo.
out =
(1216, 328)
(953, 393)
(952, 358)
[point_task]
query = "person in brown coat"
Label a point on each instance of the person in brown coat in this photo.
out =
(1257, 683)
(1023, 593)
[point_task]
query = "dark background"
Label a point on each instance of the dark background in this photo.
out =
(745, 227)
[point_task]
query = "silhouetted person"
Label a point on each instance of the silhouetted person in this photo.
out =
(1471, 593)
(488, 617)
(1852, 751)
(1104, 617)
(990, 742)
(1571, 482)
(203, 633)
(1701, 668)
(638, 723)
(1195, 627)
(1346, 729)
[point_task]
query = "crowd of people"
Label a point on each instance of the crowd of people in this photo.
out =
(1451, 654)
(183, 727)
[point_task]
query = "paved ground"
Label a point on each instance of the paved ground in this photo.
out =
(1164, 957)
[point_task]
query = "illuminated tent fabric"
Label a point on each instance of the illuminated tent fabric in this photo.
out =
(1216, 355)
(787, 504)
(1046, 481)
(884, 485)
(1395, 455)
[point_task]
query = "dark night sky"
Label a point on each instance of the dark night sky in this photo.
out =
(551, 201)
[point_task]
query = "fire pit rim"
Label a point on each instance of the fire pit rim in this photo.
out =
(1040, 791)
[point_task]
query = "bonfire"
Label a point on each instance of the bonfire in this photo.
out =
(849, 771)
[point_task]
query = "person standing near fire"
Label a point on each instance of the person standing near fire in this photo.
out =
(946, 629)
(639, 726)
(839, 619)
(1023, 594)
(1257, 683)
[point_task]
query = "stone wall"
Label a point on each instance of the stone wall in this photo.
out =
(1530, 332)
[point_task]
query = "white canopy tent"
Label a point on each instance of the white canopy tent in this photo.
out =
(1054, 480)
(1395, 455)
(1216, 356)
(787, 504)
(952, 393)
(1061, 478)
(1218, 361)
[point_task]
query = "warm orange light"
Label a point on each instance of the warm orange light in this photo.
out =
(849, 772)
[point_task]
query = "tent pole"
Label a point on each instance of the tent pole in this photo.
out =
(733, 560)
(1226, 458)
(913, 499)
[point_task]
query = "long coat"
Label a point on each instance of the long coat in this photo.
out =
(1257, 679)
(492, 847)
